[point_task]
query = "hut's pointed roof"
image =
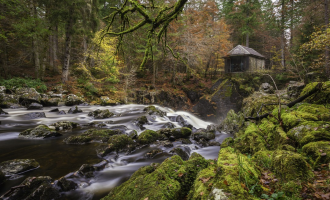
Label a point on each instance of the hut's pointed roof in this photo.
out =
(243, 50)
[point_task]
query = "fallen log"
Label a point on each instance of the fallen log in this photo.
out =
(316, 89)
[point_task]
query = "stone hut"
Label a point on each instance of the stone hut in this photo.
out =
(243, 59)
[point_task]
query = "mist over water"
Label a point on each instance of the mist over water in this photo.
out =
(58, 159)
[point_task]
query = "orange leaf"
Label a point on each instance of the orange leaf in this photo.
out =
(225, 182)
(180, 174)
(146, 198)
(201, 193)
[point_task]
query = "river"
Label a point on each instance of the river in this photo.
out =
(58, 159)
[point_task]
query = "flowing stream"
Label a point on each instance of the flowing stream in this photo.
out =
(58, 159)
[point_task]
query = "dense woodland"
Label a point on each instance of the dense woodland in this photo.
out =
(65, 39)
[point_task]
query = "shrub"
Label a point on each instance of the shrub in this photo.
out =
(20, 82)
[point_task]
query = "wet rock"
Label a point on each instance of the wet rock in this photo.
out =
(62, 112)
(100, 114)
(72, 100)
(149, 136)
(41, 131)
(8, 100)
(153, 153)
(180, 152)
(66, 185)
(16, 106)
(117, 143)
(214, 143)
(2, 177)
(64, 125)
(132, 134)
(35, 106)
(176, 133)
(294, 89)
(152, 110)
(182, 122)
(34, 188)
(186, 141)
(86, 170)
(17, 166)
(168, 144)
(74, 110)
(100, 166)
(106, 101)
(96, 135)
(2, 112)
(35, 115)
(96, 124)
(203, 134)
(46, 101)
(168, 125)
(266, 88)
(56, 95)
(28, 95)
(141, 121)
(54, 110)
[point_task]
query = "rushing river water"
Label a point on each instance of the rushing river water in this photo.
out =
(58, 159)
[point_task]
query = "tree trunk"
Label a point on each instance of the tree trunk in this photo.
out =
(85, 48)
(282, 35)
(291, 24)
(67, 53)
(247, 40)
(326, 17)
(55, 49)
(50, 51)
(43, 68)
(33, 13)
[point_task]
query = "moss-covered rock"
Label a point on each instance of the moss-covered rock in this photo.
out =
(121, 142)
(225, 176)
(203, 134)
(41, 131)
(176, 133)
(180, 152)
(72, 100)
(100, 114)
(290, 166)
(64, 125)
(228, 142)
(66, 185)
(319, 152)
(160, 184)
(92, 135)
(140, 121)
(232, 123)
(251, 141)
(74, 110)
(322, 97)
(152, 110)
(253, 103)
(263, 158)
(310, 131)
(149, 136)
(18, 166)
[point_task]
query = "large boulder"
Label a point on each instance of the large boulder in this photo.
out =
(118, 143)
(66, 185)
(34, 188)
(72, 100)
(203, 134)
(140, 121)
(41, 131)
(152, 110)
(74, 110)
(182, 122)
(100, 114)
(321, 97)
(28, 95)
(35, 106)
(7, 100)
(35, 115)
(176, 133)
(2, 89)
(46, 101)
(318, 152)
(17, 166)
(64, 125)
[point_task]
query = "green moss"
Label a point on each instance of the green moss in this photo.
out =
(177, 133)
(160, 184)
(149, 136)
(228, 142)
(263, 159)
(292, 188)
(310, 132)
(289, 166)
(120, 142)
(152, 110)
(321, 97)
(251, 141)
(318, 152)
(90, 135)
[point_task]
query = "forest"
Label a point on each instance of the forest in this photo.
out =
(164, 99)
